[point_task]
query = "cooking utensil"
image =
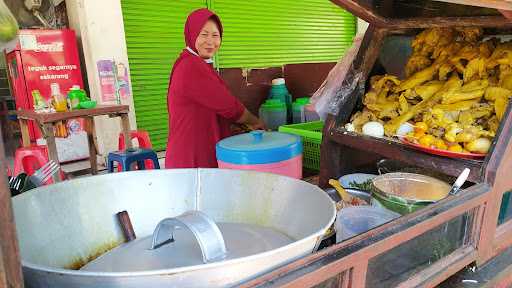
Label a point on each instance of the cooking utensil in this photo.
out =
(345, 197)
(460, 181)
(205, 230)
(17, 184)
(303, 212)
(364, 195)
(44, 173)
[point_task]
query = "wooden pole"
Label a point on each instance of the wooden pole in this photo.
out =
(10, 267)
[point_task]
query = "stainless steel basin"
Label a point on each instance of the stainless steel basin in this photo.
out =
(64, 226)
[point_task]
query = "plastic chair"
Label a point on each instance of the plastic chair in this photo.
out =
(29, 159)
(130, 156)
(142, 137)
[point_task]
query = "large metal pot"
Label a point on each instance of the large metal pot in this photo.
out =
(62, 227)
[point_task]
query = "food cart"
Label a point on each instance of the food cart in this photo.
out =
(424, 248)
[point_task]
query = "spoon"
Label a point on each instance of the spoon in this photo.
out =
(341, 191)
(460, 181)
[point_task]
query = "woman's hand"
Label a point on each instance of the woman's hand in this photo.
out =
(259, 125)
(253, 122)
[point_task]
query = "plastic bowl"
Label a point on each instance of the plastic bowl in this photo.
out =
(87, 104)
(355, 220)
(407, 192)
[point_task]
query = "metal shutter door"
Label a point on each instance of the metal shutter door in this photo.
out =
(154, 37)
(262, 33)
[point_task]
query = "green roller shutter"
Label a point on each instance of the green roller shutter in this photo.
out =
(258, 33)
(263, 33)
(154, 36)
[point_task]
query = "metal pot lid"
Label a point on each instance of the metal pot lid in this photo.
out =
(259, 147)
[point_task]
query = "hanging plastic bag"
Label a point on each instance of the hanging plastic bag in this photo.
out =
(328, 97)
(8, 24)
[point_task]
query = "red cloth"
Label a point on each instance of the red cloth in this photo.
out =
(199, 103)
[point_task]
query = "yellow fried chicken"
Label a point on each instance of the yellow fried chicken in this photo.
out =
(472, 90)
(470, 34)
(452, 84)
(425, 42)
(469, 117)
(491, 93)
(500, 105)
(428, 89)
(475, 69)
(506, 82)
(418, 78)
(416, 63)
(458, 106)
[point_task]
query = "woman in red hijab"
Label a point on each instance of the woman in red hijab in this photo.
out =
(199, 103)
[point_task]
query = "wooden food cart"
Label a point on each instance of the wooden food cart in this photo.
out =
(424, 248)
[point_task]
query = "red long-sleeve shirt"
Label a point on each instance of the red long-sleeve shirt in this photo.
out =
(201, 109)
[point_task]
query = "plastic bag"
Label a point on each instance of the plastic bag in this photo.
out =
(8, 24)
(328, 97)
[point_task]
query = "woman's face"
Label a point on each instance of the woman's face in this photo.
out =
(208, 41)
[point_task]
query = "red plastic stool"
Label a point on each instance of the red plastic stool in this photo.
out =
(29, 159)
(142, 137)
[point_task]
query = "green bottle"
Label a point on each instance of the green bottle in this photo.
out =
(75, 96)
(39, 102)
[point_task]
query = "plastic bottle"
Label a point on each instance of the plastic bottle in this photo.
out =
(75, 96)
(39, 102)
(59, 101)
(273, 113)
(298, 113)
(280, 92)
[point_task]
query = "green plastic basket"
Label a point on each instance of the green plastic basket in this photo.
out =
(311, 134)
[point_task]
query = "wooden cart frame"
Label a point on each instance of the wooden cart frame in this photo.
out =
(347, 263)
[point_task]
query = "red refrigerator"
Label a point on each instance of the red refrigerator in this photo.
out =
(40, 58)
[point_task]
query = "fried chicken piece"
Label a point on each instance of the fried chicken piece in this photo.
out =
(416, 63)
(418, 78)
(493, 124)
(500, 105)
(426, 42)
(458, 106)
(475, 69)
(491, 93)
(506, 82)
(473, 90)
(362, 117)
(470, 34)
(428, 89)
(452, 84)
(469, 117)
(444, 70)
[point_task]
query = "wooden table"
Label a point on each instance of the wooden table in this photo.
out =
(47, 121)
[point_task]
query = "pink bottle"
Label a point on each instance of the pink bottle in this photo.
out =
(271, 152)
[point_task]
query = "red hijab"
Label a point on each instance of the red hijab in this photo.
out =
(193, 26)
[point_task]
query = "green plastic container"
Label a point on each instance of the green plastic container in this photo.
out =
(273, 113)
(280, 92)
(298, 114)
(311, 134)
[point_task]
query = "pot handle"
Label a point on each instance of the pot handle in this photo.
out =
(205, 230)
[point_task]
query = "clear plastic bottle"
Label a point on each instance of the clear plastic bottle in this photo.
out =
(59, 101)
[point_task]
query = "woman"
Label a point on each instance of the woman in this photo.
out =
(200, 106)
